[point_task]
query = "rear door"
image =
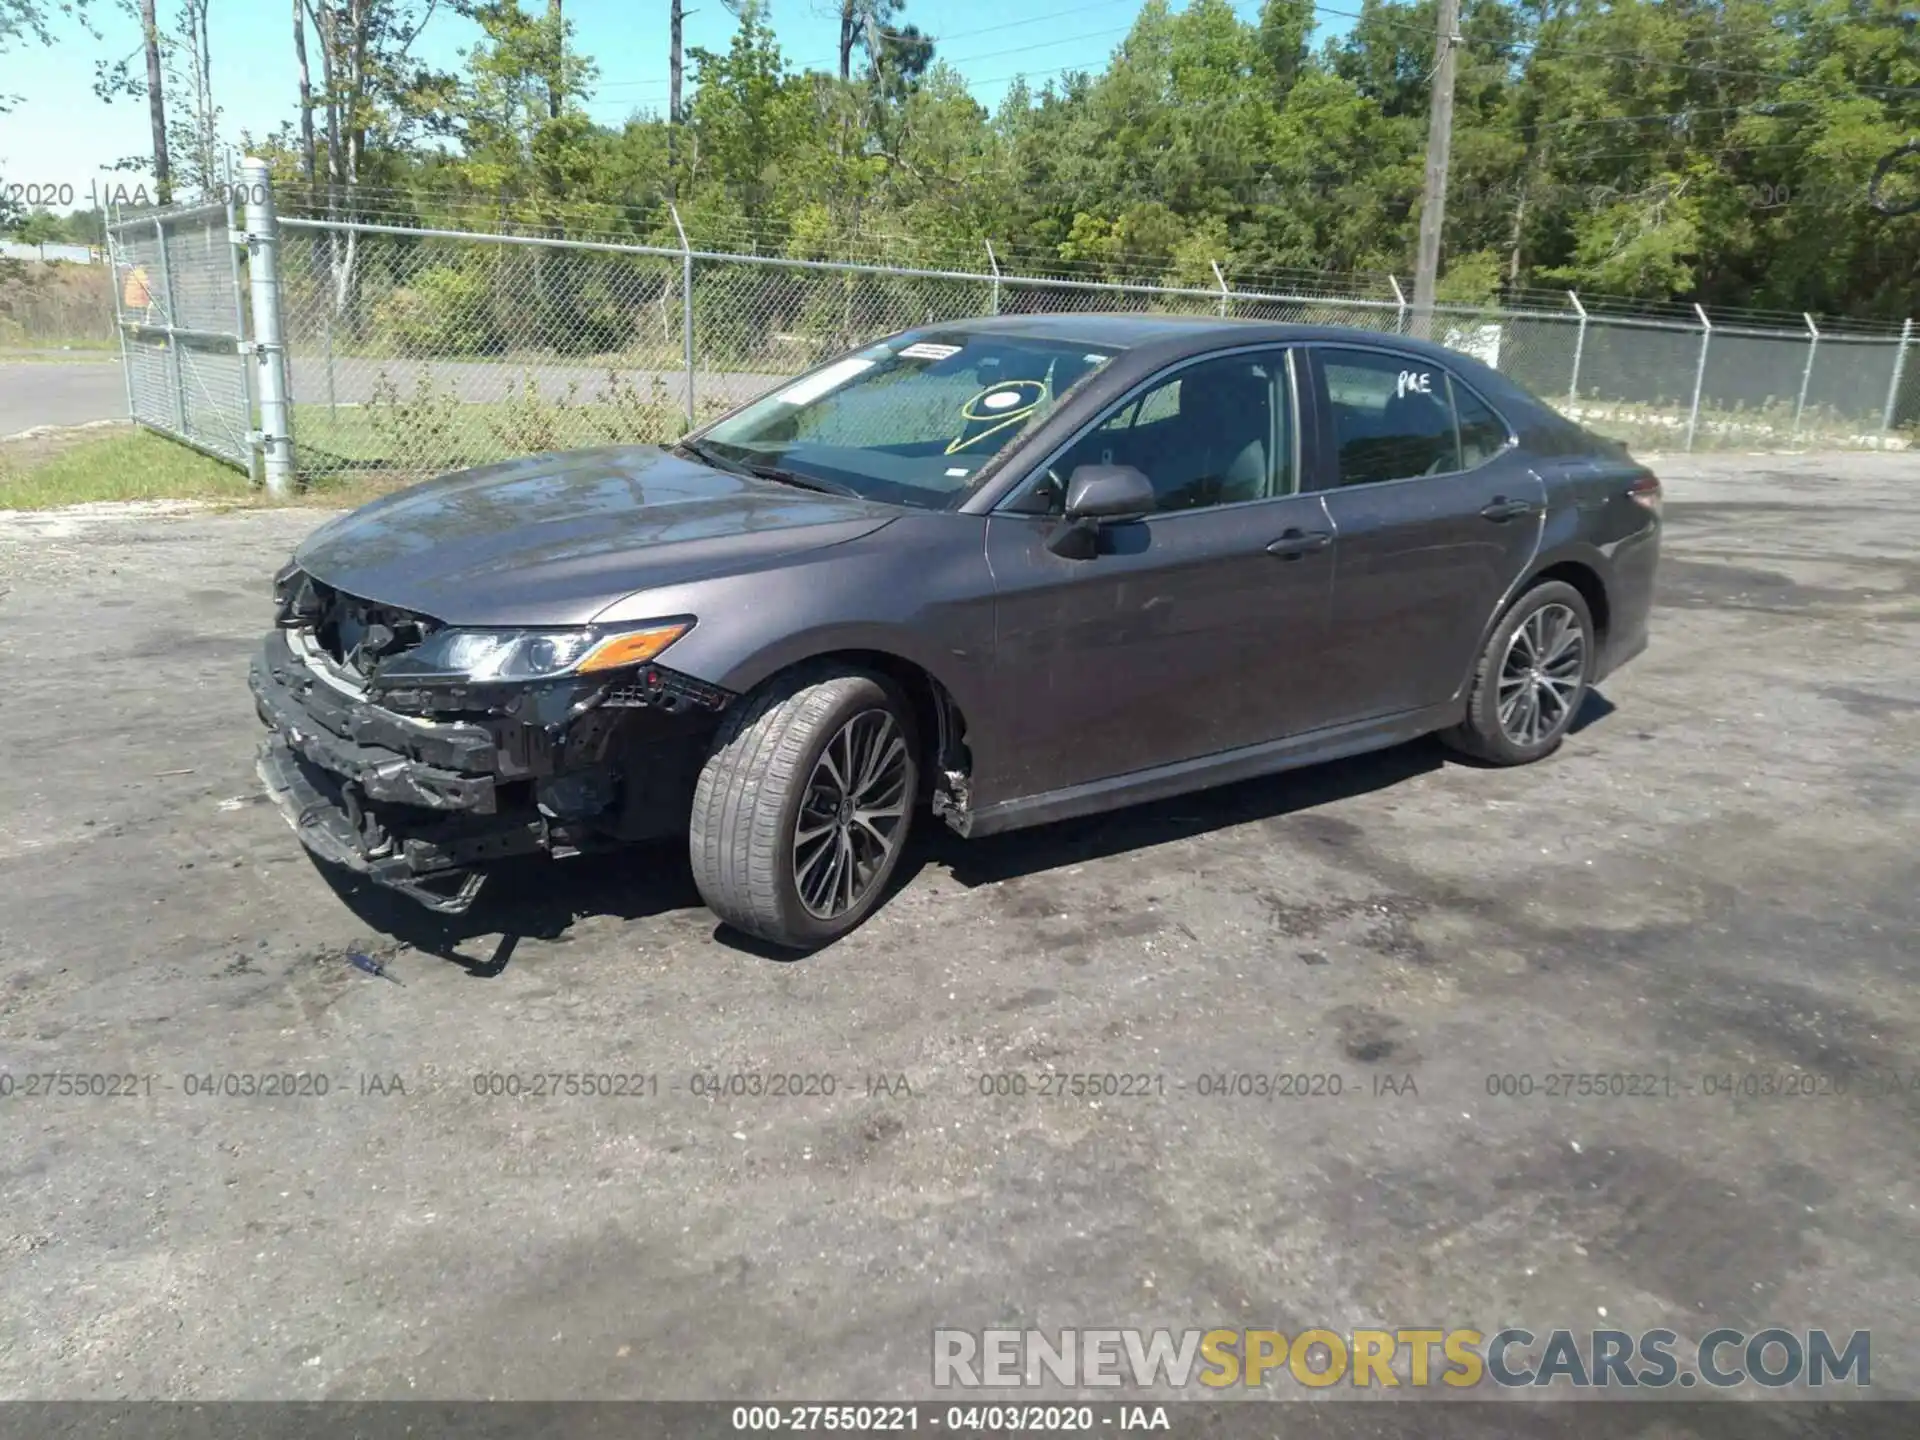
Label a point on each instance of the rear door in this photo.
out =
(1437, 516)
(1194, 630)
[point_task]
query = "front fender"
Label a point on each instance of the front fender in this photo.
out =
(918, 589)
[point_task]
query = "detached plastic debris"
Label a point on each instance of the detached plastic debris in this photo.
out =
(372, 966)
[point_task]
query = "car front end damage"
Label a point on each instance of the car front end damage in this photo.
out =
(417, 754)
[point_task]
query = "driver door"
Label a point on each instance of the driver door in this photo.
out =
(1194, 630)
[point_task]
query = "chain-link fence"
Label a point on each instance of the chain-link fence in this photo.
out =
(413, 351)
(178, 306)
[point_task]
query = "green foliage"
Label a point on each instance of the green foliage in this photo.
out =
(41, 227)
(1471, 280)
(443, 310)
(134, 465)
(1715, 152)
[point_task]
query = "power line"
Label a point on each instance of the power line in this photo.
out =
(1543, 49)
(833, 60)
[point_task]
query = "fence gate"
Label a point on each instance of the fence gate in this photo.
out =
(179, 303)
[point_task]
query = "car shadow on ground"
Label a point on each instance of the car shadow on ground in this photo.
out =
(535, 899)
(998, 858)
(542, 899)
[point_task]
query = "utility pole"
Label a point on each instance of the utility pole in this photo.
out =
(1433, 206)
(156, 104)
(556, 79)
(675, 19)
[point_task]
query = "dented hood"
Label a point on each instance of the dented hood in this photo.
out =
(554, 539)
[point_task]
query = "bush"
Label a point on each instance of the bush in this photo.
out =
(416, 432)
(444, 311)
(623, 416)
(530, 424)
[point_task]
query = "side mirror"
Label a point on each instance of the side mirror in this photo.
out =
(1108, 492)
(1096, 493)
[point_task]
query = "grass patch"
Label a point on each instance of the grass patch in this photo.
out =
(125, 465)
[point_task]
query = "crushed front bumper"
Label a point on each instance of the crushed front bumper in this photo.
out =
(412, 803)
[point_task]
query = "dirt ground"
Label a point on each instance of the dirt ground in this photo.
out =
(1714, 882)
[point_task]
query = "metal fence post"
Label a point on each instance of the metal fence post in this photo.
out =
(236, 238)
(1806, 371)
(993, 264)
(1221, 280)
(114, 283)
(1579, 349)
(1400, 307)
(1899, 369)
(1699, 374)
(173, 343)
(686, 306)
(268, 341)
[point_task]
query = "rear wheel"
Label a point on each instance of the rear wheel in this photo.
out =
(804, 805)
(1531, 679)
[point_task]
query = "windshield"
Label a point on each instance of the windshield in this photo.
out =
(913, 420)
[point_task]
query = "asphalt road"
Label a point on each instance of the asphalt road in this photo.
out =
(59, 392)
(1714, 883)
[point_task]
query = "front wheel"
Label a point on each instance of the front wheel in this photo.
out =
(1531, 679)
(803, 807)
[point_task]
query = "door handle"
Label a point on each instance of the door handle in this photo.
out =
(1292, 544)
(1503, 509)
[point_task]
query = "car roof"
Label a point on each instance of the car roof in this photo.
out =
(1178, 334)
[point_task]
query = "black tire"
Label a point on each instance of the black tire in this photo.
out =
(748, 801)
(1482, 734)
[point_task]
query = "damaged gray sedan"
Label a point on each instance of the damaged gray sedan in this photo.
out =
(1006, 571)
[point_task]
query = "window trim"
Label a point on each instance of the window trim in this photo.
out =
(1323, 403)
(1289, 349)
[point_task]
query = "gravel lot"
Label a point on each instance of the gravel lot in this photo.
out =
(1717, 876)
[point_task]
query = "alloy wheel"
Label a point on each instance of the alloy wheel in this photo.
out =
(1541, 676)
(851, 815)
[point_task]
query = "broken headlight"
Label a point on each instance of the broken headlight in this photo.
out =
(490, 657)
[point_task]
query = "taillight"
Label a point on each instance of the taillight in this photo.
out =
(1645, 492)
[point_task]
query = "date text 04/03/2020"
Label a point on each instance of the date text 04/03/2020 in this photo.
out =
(963, 1419)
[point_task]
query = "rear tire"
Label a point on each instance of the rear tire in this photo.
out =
(1531, 679)
(803, 807)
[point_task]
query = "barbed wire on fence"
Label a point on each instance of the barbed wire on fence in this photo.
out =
(417, 348)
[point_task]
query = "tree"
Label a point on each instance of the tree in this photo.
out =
(307, 165)
(675, 61)
(373, 97)
(156, 103)
(193, 136)
(1717, 150)
(740, 115)
(40, 227)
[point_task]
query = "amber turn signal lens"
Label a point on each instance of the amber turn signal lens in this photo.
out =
(633, 648)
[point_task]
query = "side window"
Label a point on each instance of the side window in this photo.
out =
(1483, 434)
(1218, 433)
(1392, 416)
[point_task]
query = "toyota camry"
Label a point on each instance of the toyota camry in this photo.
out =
(996, 573)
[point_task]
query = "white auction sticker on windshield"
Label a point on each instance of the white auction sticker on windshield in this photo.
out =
(927, 350)
(1001, 400)
(816, 385)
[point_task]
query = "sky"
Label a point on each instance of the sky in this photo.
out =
(58, 133)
